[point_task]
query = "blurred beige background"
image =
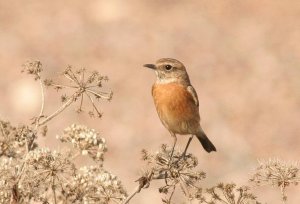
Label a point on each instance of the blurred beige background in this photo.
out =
(243, 58)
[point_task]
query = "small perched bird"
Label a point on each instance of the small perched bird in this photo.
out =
(176, 102)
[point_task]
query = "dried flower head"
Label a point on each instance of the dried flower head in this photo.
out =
(45, 171)
(94, 185)
(176, 171)
(82, 86)
(228, 193)
(87, 140)
(15, 140)
(33, 68)
(275, 172)
(8, 170)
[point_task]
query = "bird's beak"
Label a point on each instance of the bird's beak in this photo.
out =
(151, 66)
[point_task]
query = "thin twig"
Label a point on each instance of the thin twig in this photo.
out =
(2, 129)
(42, 104)
(136, 190)
(53, 190)
(92, 101)
(73, 76)
(63, 86)
(174, 187)
(63, 107)
(144, 182)
(81, 102)
(283, 196)
(68, 77)
(99, 95)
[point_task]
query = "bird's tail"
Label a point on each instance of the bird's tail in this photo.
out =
(206, 143)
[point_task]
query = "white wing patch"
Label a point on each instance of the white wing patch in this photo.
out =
(192, 91)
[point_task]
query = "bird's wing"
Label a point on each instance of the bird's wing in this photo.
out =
(192, 91)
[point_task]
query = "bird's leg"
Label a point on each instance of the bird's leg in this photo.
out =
(175, 140)
(187, 145)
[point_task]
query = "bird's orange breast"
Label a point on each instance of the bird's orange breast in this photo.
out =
(176, 108)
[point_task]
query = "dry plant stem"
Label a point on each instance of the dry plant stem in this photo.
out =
(226, 196)
(13, 199)
(81, 102)
(169, 200)
(94, 106)
(283, 196)
(2, 129)
(63, 86)
(240, 200)
(42, 104)
(137, 190)
(219, 199)
(53, 191)
(224, 201)
(26, 144)
(183, 187)
(142, 185)
(62, 108)
(97, 94)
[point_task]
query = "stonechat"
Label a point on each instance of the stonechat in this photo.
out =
(176, 102)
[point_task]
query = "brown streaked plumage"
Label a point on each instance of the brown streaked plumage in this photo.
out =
(176, 101)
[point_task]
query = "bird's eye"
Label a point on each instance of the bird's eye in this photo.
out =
(168, 67)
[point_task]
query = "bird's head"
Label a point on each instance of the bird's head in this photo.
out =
(169, 70)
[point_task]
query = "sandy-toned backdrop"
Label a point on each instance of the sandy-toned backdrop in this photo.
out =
(243, 58)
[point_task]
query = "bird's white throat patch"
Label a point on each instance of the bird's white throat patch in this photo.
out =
(162, 79)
